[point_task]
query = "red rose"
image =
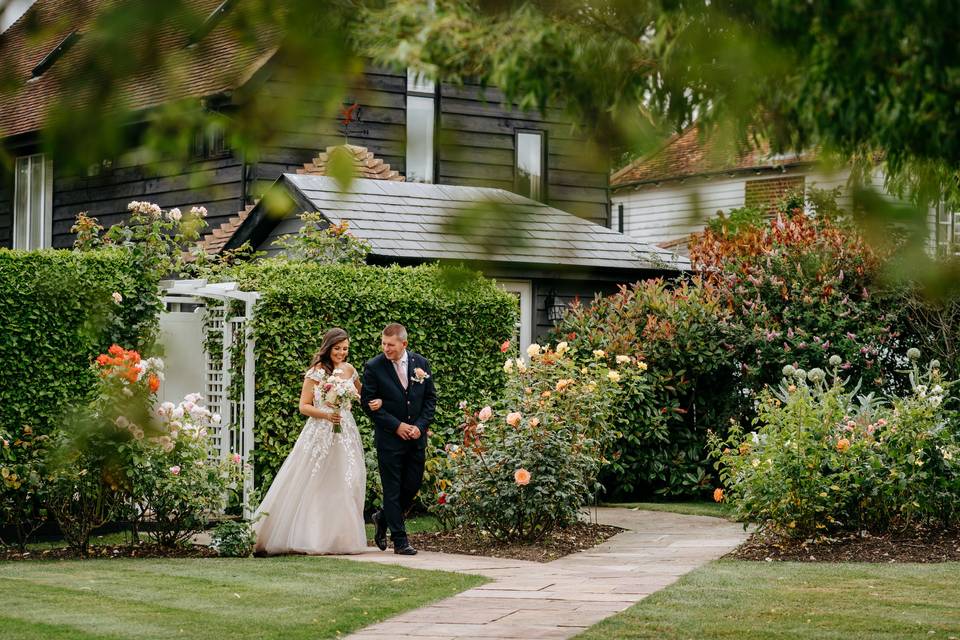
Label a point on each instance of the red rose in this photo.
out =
(442, 498)
(505, 346)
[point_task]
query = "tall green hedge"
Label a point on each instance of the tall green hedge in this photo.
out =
(57, 313)
(458, 328)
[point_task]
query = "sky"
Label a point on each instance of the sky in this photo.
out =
(12, 9)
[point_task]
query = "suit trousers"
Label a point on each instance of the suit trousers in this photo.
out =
(401, 473)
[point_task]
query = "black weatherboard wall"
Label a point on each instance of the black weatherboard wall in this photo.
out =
(475, 138)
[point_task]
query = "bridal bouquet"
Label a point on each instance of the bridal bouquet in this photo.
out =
(339, 393)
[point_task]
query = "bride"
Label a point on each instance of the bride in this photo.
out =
(315, 504)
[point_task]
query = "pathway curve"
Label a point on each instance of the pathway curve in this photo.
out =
(560, 599)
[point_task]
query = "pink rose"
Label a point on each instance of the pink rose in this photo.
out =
(175, 470)
(485, 414)
(236, 458)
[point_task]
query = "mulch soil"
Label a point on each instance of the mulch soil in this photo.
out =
(110, 551)
(913, 545)
(554, 545)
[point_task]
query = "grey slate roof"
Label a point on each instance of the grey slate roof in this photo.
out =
(413, 220)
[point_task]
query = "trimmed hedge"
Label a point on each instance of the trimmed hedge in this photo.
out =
(458, 328)
(57, 314)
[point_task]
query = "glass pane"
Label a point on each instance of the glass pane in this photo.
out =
(21, 203)
(530, 165)
(37, 199)
(418, 82)
(419, 139)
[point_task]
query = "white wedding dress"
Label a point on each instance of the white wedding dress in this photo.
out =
(315, 504)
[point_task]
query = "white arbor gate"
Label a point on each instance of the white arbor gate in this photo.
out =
(221, 323)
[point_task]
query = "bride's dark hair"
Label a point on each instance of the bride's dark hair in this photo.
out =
(331, 338)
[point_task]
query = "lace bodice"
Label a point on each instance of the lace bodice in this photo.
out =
(320, 438)
(318, 375)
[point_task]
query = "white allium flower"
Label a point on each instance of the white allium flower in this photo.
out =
(815, 375)
(835, 361)
(913, 353)
(800, 373)
(788, 370)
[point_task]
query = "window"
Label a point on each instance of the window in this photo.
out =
(210, 142)
(529, 169)
(32, 203)
(421, 118)
(947, 231)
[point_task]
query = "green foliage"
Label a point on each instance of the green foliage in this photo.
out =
(681, 331)
(233, 539)
(824, 458)
(458, 330)
(531, 461)
(58, 312)
(22, 473)
(736, 220)
(318, 241)
(852, 79)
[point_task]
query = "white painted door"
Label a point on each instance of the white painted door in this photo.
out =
(181, 337)
(523, 290)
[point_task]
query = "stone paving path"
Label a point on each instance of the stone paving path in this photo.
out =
(560, 599)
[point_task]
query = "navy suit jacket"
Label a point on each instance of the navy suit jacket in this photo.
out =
(414, 405)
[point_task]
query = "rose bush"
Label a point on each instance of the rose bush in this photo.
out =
(530, 460)
(181, 481)
(684, 333)
(826, 458)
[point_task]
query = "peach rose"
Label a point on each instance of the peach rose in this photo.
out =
(513, 418)
(521, 477)
(485, 414)
(718, 495)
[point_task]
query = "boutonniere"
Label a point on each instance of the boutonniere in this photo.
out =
(419, 375)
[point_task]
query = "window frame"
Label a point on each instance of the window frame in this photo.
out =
(18, 217)
(419, 87)
(544, 195)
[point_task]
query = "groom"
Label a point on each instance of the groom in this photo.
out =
(402, 380)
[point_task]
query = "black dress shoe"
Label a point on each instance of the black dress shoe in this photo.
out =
(404, 549)
(380, 530)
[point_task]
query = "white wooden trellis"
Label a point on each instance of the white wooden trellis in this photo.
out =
(235, 432)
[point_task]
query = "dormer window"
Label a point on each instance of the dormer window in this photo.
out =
(421, 123)
(529, 171)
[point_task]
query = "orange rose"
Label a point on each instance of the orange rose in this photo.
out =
(842, 445)
(718, 495)
(154, 383)
(115, 350)
(521, 477)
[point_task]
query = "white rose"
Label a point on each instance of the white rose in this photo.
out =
(533, 350)
(174, 215)
(508, 366)
(521, 365)
(623, 359)
(117, 298)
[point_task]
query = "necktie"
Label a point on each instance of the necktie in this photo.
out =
(400, 373)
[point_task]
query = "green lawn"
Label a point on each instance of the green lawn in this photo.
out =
(718, 510)
(797, 601)
(285, 597)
